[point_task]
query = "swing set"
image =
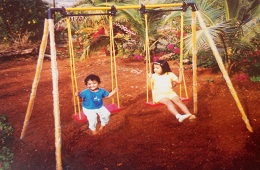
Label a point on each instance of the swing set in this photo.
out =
(49, 30)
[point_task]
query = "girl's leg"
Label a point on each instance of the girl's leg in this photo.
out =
(176, 100)
(92, 119)
(170, 105)
(173, 110)
(104, 115)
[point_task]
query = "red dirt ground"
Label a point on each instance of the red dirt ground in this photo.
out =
(139, 137)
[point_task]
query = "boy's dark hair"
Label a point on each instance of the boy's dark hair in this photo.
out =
(92, 77)
(164, 64)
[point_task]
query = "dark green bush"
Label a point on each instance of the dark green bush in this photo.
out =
(21, 16)
(206, 59)
(6, 130)
(245, 57)
(6, 134)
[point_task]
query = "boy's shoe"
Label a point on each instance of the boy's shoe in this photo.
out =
(183, 117)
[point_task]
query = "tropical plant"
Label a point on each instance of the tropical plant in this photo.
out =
(243, 42)
(223, 23)
(232, 24)
(28, 17)
(132, 20)
(6, 134)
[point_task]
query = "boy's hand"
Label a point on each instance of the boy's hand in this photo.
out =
(115, 89)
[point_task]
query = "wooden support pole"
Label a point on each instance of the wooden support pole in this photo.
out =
(224, 72)
(194, 64)
(36, 78)
(55, 92)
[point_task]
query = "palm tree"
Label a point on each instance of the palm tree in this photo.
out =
(229, 25)
(224, 21)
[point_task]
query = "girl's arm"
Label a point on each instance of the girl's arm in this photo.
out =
(180, 76)
(112, 92)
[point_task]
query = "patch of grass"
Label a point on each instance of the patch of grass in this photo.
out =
(255, 79)
(210, 80)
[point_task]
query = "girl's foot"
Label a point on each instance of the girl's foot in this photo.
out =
(181, 118)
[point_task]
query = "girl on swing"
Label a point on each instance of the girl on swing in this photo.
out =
(162, 83)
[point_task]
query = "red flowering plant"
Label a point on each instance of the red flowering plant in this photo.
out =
(171, 40)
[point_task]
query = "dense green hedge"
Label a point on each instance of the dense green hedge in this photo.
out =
(18, 17)
(6, 134)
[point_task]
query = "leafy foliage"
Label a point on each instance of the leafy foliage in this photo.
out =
(28, 17)
(206, 59)
(255, 79)
(6, 130)
(6, 133)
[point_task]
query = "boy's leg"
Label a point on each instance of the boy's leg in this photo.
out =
(92, 118)
(104, 115)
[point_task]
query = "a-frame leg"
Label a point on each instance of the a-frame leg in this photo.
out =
(36, 78)
(224, 72)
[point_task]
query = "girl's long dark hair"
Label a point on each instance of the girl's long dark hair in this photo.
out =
(164, 64)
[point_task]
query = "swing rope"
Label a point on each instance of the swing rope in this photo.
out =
(76, 102)
(148, 65)
(113, 61)
(148, 58)
(181, 59)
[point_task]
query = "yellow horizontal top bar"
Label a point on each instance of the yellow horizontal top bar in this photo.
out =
(124, 7)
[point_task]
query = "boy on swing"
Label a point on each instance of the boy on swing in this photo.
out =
(93, 102)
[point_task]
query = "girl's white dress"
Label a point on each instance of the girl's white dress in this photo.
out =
(162, 86)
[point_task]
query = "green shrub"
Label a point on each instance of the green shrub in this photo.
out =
(6, 158)
(245, 57)
(28, 17)
(6, 130)
(206, 59)
(6, 134)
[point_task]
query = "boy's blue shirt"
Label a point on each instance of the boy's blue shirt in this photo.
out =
(93, 100)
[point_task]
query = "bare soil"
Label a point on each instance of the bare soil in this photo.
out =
(138, 137)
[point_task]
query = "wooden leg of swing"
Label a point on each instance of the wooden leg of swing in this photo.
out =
(36, 78)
